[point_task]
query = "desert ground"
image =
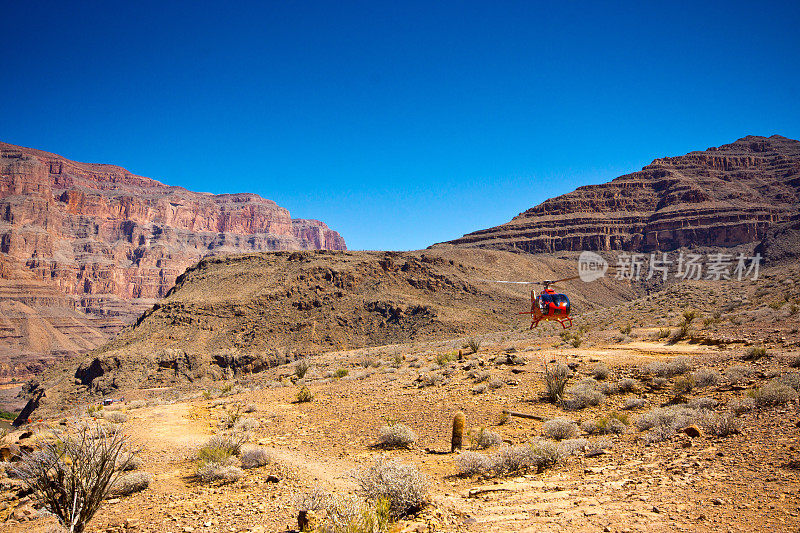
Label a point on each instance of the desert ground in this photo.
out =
(727, 463)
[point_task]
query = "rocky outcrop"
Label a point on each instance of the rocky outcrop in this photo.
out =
(87, 247)
(723, 196)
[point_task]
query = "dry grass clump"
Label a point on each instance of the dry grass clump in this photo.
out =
(509, 460)
(682, 386)
(774, 393)
(572, 446)
(754, 353)
(137, 404)
(480, 375)
(706, 377)
(346, 513)
(560, 429)
(737, 373)
(304, 395)
(740, 406)
(614, 423)
(397, 436)
(130, 483)
(115, 417)
(128, 462)
(555, 380)
(495, 383)
(585, 393)
(484, 438)
(254, 457)
(723, 424)
(221, 472)
(674, 417)
(219, 449)
(703, 403)
(480, 388)
(600, 371)
(402, 486)
(627, 385)
(792, 379)
(634, 403)
(672, 367)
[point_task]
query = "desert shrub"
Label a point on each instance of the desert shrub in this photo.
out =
(608, 388)
(340, 373)
(604, 426)
(792, 379)
(397, 436)
(658, 434)
(627, 385)
(682, 386)
(555, 380)
(245, 424)
(401, 485)
(514, 459)
(572, 446)
(221, 472)
(254, 456)
(300, 368)
(702, 403)
(444, 358)
(485, 438)
(626, 329)
(672, 367)
(219, 448)
(737, 373)
(115, 417)
(774, 393)
(705, 377)
(137, 404)
(72, 474)
(723, 424)
(584, 394)
(600, 371)
(634, 403)
(346, 513)
(794, 361)
(481, 376)
(675, 417)
(754, 353)
(232, 416)
(304, 395)
(130, 483)
(740, 406)
(663, 333)
(474, 345)
(472, 463)
(560, 429)
(480, 388)
(495, 383)
(128, 461)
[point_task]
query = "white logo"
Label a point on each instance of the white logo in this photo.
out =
(591, 266)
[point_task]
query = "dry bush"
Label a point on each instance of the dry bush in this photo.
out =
(682, 386)
(254, 457)
(706, 377)
(604, 426)
(737, 373)
(740, 406)
(480, 388)
(224, 473)
(675, 417)
(397, 436)
(346, 513)
(472, 463)
(130, 483)
(555, 380)
(792, 379)
(584, 394)
(723, 424)
(669, 368)
(572, 446)
(560, 429)
(754, 353)
(72, 474)
(774, 393)
(304, 395)
(219, 448)
(794, 362)
(137, 404)
(401, 485)
(627, 385)
(301, 367)
(115, 417)
(658, 434)
(485, 438)
(495, 383)
(246, 424)
(634, 403)
(128, 461)
(600, 371)
(480, 376)
(703, 403)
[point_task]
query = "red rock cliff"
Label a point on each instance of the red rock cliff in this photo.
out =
(719, 197)
(113, 242)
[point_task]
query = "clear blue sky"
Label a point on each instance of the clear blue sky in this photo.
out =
(399, 124)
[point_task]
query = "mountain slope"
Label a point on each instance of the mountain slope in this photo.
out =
(108, 244)
(722, 196)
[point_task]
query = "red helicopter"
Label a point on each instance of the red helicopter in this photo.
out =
(548, 305)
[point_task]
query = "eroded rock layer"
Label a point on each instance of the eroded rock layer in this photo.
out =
(98, 244)
(722, 196)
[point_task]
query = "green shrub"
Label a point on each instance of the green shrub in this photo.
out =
(301, 367)
(754, 353)
(340, 373)
(304, 395)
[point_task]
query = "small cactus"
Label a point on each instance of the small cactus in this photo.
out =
(458, 432)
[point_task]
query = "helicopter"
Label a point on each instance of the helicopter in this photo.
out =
(547, 305)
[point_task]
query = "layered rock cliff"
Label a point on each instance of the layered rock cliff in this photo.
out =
(104, 244)
(722, 196)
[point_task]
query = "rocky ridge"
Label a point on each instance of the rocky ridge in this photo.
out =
(85, 248)
(724, 196)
